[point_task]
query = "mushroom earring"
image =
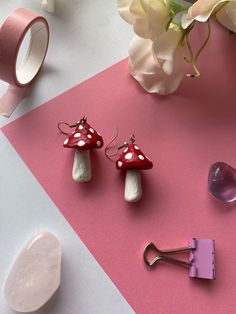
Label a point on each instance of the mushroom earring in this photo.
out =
(132, 160)
(83, 139)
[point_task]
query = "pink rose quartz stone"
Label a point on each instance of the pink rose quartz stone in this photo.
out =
(35, 275)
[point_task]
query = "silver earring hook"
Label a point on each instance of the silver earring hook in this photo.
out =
(117, 148)
(109, 147)
(60, 128)
(83, 121)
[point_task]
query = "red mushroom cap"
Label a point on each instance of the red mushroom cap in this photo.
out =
(133, 158)
(84, 137)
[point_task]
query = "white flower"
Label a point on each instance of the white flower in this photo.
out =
(148, 17)
(201, 10)
(158, 66)
(227, 16)
(156, 55)
(123, 9)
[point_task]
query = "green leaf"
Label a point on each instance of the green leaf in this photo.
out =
(177, 7)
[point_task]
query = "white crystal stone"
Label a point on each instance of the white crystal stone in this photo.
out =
(35, 275)
(48, 5)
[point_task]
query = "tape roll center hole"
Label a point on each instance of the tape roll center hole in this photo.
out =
(31, 53)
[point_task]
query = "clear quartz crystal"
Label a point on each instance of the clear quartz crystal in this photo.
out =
(222, 182)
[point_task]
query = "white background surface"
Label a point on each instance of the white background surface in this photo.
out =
(87, 36)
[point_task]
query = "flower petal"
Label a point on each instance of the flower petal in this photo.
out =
(140, 17)
(140, 52)
(150, 17)
(186, 20)
(165, 46)
(158, 16)
(200, 11)
(227, 16)
(148, 71)
(123, 9)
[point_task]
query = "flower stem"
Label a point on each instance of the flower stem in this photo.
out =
(194, 58)
(205, 41)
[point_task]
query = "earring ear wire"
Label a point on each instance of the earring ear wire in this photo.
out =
(81, 121)
(59, 124)
(109, 147)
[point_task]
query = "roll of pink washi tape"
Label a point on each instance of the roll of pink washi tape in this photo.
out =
(12, 34)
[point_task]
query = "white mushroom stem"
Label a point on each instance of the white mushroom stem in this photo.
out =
(82, 166)
(133, 186)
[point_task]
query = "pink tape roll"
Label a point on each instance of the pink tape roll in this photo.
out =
(12, 33)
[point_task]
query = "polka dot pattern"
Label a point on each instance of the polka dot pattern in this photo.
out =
(84, 137)
(81, 143)
(133, 158)
(128, 156)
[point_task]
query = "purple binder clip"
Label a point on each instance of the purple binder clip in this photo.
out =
(201, 262)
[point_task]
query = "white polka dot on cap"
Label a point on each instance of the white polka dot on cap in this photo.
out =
(141, 157)
(81, 143)
(98, 143)
(128, 156)
(120, 164)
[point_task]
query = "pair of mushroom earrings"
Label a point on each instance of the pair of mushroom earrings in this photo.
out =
(84, 138)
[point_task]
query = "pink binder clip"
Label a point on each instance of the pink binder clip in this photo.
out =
(201, 262)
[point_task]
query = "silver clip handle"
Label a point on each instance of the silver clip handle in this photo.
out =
(160, 256)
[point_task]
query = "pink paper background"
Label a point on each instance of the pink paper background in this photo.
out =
(183, 134)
